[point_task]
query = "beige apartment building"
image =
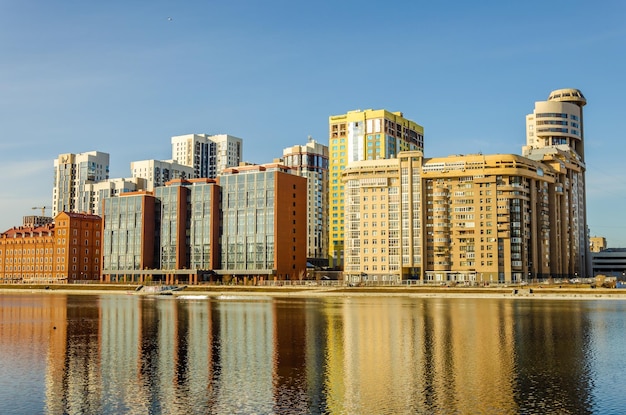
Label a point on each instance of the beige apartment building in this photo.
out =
(466, 218)
(382, 227)
(473, 218)
(555, 137)
(597, 244)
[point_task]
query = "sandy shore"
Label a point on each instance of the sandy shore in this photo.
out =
(239, 291)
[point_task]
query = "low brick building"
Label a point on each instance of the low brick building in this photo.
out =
(67, 250)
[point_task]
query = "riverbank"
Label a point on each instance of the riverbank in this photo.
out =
(538, 292)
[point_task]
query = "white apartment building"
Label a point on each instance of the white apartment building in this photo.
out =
(158, 172)
(72, 175)
(209, 155)
(109, 188)
(311, 161)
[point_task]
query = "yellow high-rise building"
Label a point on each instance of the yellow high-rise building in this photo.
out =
(362, 135)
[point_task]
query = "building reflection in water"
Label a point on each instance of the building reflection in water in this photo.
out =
(128, 354)
(32, 349)
(244, 358)
(428, 356)
(552, 351)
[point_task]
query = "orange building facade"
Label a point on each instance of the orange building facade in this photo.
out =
(27, 254)
(65, 251)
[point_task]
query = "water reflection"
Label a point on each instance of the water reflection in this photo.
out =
(127, 354)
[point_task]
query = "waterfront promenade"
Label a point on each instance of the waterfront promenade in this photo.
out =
(567, 291)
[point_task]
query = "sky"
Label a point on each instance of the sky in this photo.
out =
(123, 77)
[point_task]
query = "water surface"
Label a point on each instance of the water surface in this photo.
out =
(125, 354)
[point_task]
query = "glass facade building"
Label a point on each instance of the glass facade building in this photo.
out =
(248, 228)
(263, 222)
(128, 236)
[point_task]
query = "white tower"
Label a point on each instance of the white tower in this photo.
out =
(555, 136)
(207, 154)
(311, 161)
(72, 175)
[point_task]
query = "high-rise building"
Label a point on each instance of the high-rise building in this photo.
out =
(72, 175)
(555, 136)
(475, 218)
(311, 161)
(207, 154)
(487, 219)
(471, 219)
(263, 222)
(158, 172)
(382, 218)
(362, 135)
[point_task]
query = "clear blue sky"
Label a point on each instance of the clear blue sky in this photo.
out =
(121, 77)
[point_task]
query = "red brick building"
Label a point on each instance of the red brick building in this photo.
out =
(67, 250)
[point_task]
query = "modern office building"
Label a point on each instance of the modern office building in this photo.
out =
(173, 225)
(129, 248)
(171, 236)
(311, 161)
(72, 175)
(264, 222)
(555, 136)
(204, 226)
(158, 172)
(362, 135)
(251, 225)
(65, 251)
(188, 222)
(610, 262)
(208, 155)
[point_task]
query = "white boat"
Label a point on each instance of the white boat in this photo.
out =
(158, 289)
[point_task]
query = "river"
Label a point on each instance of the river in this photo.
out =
(127, 354)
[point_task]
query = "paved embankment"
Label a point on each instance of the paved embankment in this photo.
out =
(539, 292)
